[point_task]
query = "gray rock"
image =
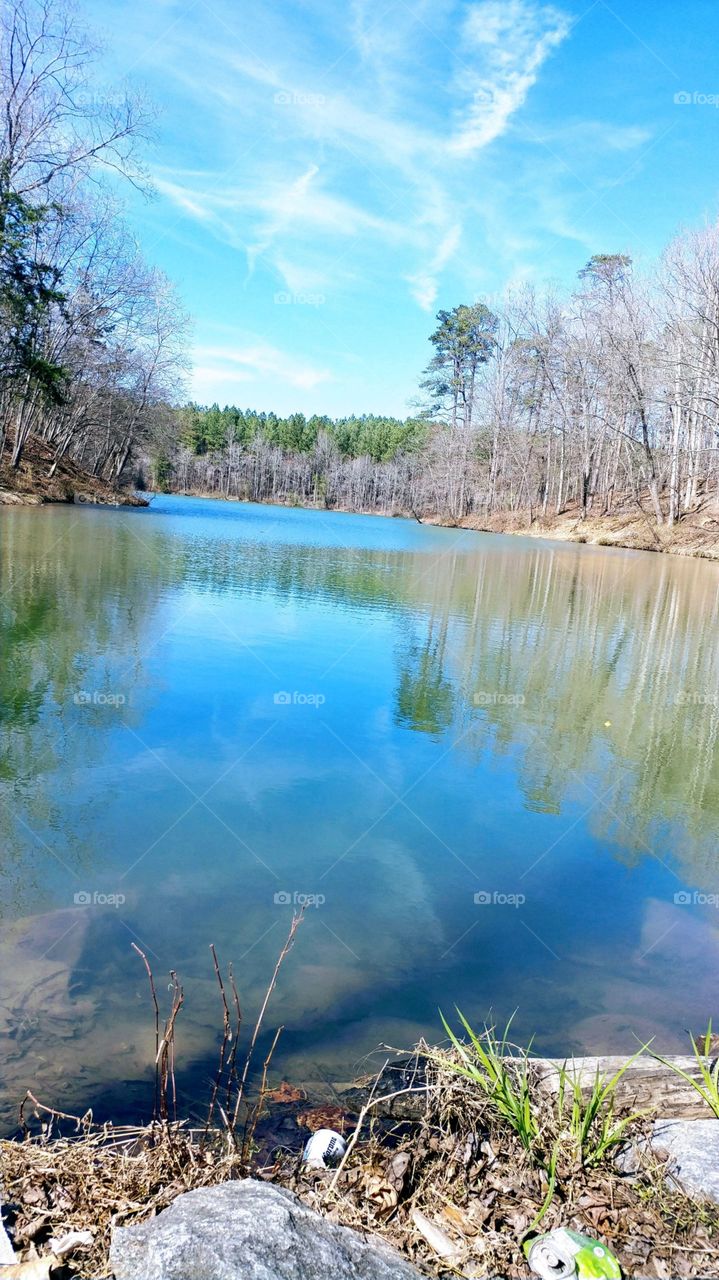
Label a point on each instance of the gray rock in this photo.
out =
(7, 1253)
(693, 1149)
(249, 1231)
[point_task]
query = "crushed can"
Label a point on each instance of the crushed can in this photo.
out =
(324, 1149)
(564, 1254)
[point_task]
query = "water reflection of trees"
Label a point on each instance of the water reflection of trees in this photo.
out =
(588, 665)
(74, 617)
(595, 666)
(425, 694)
(581, 667)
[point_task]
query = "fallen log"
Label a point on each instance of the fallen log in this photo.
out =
(646, 1085)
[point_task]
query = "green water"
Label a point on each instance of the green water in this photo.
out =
(210, 708)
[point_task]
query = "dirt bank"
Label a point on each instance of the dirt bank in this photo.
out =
(696, 534)
(31, 485)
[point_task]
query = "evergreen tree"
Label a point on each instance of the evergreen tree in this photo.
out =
(463, 340)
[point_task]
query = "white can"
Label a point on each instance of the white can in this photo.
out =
(324, 1149)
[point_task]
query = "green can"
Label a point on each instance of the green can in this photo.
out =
(564, 1254)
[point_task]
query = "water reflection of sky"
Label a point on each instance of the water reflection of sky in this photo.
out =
(457, 715)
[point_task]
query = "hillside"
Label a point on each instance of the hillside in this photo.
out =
(30, 484)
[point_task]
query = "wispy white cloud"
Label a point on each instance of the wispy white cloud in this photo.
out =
(505, 43)
(424, 283)
(283, 218)
(389, 156)
(377, 158)
(593, 136)
(334, 168)
(252, 362)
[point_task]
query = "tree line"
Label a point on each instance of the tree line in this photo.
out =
(204, 431)
(607, 395)
(602, 397)
(91, 338)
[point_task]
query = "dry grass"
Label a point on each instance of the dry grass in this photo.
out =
(469, 1192)
(74, 1175)
(457, 1185)
(102, 1177)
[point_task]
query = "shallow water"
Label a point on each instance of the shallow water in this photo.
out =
(490, 761)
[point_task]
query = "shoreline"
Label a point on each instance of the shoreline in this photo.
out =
(629, 531)
(696, 536)
(424, 1134)
(30, 485)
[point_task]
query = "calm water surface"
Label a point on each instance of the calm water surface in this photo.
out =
(491, 760)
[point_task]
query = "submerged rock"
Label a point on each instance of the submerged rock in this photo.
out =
(249, 1230)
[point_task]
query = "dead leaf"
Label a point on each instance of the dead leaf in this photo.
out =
(381, 1195)
(286, 1092)
(62, 1199)
(35, 1226)
(328, 1117)
(657, 1267)
(396, 1170)
(479, 1212)
(34, 1195)
(517, 1222)
(459, 1219)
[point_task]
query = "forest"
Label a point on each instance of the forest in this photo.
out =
(599, 397)
(93, 340)
(603, 397)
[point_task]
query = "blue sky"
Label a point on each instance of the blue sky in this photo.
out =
(329, 174)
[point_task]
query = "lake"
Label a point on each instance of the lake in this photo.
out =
(488, 764)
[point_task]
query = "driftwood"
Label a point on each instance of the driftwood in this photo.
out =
(399, 1091)
(646, 1085)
